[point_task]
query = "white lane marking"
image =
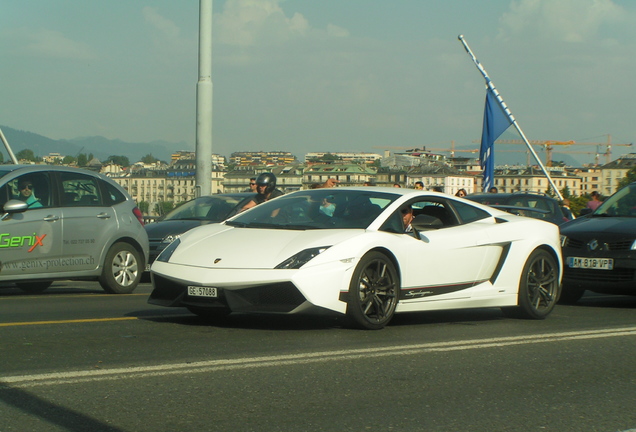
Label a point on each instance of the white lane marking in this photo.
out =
(49, 379)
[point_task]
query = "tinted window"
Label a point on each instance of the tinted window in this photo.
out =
(622, 203)
(114, 194)
(80, 190)
(317, 209)
(469, 213)
(213, 208)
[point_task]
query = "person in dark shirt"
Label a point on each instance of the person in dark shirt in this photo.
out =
(265, 190)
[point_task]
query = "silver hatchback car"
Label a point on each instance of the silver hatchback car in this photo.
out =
(67, 223)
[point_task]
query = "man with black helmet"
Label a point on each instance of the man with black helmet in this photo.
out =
(265, 190)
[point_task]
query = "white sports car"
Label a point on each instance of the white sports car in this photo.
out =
(356, 251)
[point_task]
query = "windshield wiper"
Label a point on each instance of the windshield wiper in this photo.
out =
(236, 224)
(298, 227)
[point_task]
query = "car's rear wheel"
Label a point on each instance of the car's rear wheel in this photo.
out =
(570, 295)
(373, 292)
(122, 269)
(538, 287)
(33, 287)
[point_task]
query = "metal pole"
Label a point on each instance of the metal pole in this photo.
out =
(8, 147)
(490, 85)
(203, 178)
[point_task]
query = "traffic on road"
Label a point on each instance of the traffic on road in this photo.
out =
(75, 358)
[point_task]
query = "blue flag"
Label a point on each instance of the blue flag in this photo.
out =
(496, 121)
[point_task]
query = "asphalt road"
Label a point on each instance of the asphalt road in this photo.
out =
(76, 359)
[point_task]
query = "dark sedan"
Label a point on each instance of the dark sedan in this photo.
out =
(599, 249)
(530, 204)
(199, 211)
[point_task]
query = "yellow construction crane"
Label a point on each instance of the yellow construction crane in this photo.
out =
(547, 146)
(608, 148)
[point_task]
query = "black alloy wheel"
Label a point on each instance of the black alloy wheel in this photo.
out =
(373, 292)
(539, 287)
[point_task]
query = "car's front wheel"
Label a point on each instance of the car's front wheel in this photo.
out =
(373, 292)
(538, 287)
(122, 269)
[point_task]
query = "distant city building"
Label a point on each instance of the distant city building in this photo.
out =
(448, 179)
(288, 178)
(591, 180)
(190, 155)
(533, 179)
(346, 174)
(53, 158)
(387, 177)
(612, 173)
(412, 158)
(347, 157)
(262, 158)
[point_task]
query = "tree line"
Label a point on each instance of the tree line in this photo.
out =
(82, 159)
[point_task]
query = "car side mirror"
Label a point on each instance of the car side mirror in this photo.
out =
(13, 206)
(585, 211)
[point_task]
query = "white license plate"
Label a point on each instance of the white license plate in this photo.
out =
(199, 291)
(591, 263)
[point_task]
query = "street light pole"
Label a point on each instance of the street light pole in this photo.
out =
(203, 177)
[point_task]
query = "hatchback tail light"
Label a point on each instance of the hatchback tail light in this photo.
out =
(139, 215)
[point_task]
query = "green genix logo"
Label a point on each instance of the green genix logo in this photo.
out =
(32, 241)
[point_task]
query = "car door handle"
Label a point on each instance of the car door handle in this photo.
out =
(103, 216)
(51, 218)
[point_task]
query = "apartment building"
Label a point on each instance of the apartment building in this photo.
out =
(346, 174)
(257, 158)
(346, 157)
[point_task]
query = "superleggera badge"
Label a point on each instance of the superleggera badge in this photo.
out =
(217, 260)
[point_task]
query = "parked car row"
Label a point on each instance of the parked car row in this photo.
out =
(346, 250)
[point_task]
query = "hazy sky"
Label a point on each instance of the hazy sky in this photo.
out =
(320, 75)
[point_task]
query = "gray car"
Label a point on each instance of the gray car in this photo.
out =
(65, 223)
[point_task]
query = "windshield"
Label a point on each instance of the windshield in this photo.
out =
(622, 203)
(210, 208)
(317, 209)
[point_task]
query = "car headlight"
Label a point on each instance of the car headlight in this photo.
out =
(170, 238)
(301, 258)
(165, 255)
(564, 240)
(633, 245)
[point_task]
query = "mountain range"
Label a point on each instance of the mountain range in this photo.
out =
(100, 147)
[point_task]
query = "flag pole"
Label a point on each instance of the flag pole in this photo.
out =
(512, 119)
(8, 147)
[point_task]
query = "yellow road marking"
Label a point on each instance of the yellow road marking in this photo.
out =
(66, 296)
(67, 321)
